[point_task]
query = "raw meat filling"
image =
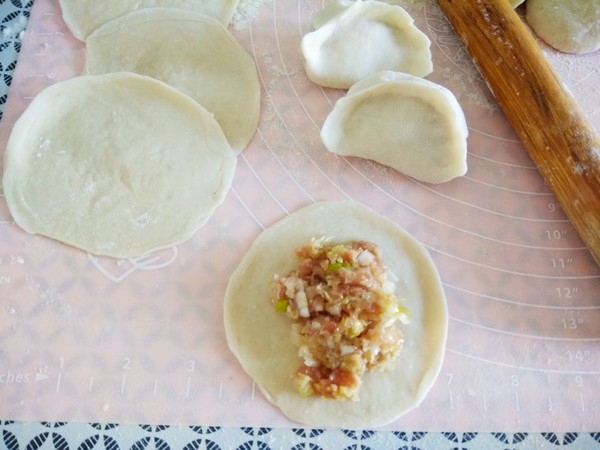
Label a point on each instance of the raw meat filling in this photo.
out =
(345, 314)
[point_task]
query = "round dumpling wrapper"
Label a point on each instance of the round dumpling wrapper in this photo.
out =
(261, 338)
(212, 67)
(84, 16)
(118, 165)
(571, 26)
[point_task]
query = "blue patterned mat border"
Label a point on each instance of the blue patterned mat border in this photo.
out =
(75, 436)
(14, 14)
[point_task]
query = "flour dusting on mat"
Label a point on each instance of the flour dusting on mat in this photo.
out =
(246, 12)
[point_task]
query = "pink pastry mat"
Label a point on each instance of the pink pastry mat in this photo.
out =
(142, 340)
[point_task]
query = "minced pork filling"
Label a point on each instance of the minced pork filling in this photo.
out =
(345, 315)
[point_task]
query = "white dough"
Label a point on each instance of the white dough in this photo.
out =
(408, 123)
(322, 16)
(118, 165)
(261, 338)
(571, 26)
(354, 39)
(193, 53)
(84, 16)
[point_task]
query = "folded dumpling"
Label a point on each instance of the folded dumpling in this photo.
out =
(355, 39)
(405, 122)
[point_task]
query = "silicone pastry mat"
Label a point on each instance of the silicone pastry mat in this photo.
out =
(141, 340)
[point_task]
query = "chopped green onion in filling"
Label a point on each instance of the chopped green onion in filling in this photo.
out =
(338, 265)
(281, 305)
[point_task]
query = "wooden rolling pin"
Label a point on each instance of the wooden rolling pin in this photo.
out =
(559, 138)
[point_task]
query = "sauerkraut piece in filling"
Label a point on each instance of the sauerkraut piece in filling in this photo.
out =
(345, 314)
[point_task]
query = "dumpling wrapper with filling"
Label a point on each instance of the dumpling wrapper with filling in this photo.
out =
(408, 123)
(355, 39)
(118, 165)
(193, 53)
(261, 338)
(84, 16)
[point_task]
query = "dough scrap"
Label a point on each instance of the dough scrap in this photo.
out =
(408, 123)
(261, 338)
(355, 39)
(117, 164)
(571, 26)
(84, 16)
(212, 67)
